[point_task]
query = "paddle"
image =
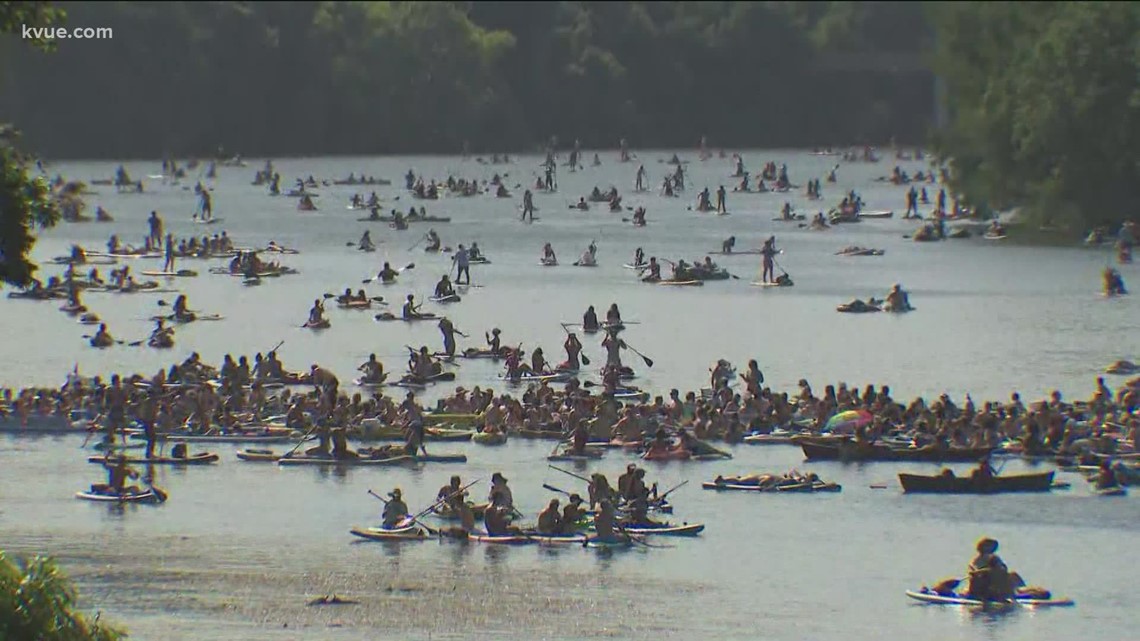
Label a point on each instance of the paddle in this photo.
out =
(554, 489)
(580, 478)
(673, 489)
(442, 501)
(585, 359)
(301, 442)
(648, 361)
(429, 529)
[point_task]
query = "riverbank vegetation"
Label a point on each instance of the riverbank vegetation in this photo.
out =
(38, 603)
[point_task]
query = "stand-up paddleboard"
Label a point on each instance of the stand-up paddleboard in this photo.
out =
(746, 252)
(682, 283)
(208, 221)
(186, 273)
(994, 237)
(757, 283)
(931, 597)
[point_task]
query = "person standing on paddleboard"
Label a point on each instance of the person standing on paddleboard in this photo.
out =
(462, 262)
(769, 252)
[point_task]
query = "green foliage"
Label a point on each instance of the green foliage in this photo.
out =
(388, 77)
(16, 15)
(25, 202)
(37, 602)
(1045, 106)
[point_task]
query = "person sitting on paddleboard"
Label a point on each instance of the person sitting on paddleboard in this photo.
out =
(654, 269)
(613, 316)
(387, 274)
(639, 217)
(571, 515)
(410, 311)
(897, 299)
(548, 254)
(550, 519)
(373, 370)
(496, 517)
(493, 341)
(181, 313)
(989, 577)
(452, 490)
(118, 473)
(395, 511)
(590, 320)
(434, 242)
(162, 336)
(443, 288)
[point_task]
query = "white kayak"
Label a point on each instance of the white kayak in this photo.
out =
(931, 597)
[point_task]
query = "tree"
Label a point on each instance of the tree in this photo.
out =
(1044, 106)
(25, 201)
(37, 601)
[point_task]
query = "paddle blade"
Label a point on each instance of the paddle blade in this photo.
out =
(648, 361)
(585, 359)
(411, 266)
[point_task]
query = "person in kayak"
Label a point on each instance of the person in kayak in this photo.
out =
(573, 349)
(590, 320)
(317, 313)
(373, 371)
(550, 519)
(449, 331)
(443, 288)
(162, 336)
(989, 577)
(102, 337)
(387, 274)
(395, 510)
(548, 257)
(727, 245)
(365, 243)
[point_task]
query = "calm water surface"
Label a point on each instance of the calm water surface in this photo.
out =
(240, 548)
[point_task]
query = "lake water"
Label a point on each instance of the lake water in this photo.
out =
(240, 547)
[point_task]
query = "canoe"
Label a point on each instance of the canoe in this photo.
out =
(356, 304)
(927, 596)
(349, 462)
(195, 459)
(409, 533)
(666, 529)
(139, 496)
(939, 484)
(490, 438)
(817, 449)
